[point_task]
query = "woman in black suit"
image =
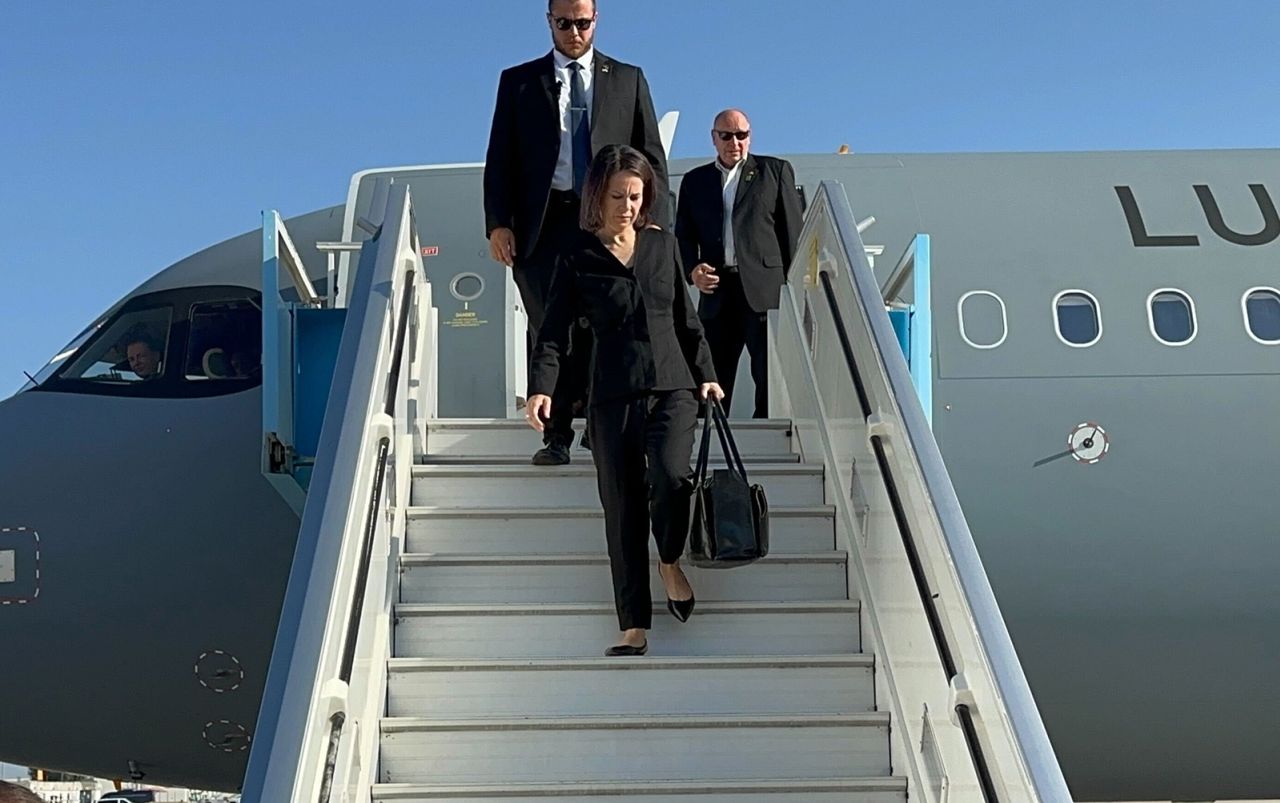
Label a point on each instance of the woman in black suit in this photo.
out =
(651, 366)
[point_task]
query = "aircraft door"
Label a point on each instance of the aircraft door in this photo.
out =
(481, 336)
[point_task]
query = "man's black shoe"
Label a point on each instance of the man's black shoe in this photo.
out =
(553, 454)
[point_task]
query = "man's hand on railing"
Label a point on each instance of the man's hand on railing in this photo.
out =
(502, 246)
(704, 278)
(537, 411)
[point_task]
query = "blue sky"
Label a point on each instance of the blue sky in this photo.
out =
(137, 132)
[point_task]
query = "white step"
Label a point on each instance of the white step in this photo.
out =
(808, 684)
(851, 790)
(575, 486)
(579, 457)
(505, 436)
(534, 530)
(585, 629)
(726, 748)
(461, 579)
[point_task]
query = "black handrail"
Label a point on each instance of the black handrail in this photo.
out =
(927, 598)
(397, 356)
(338, 720)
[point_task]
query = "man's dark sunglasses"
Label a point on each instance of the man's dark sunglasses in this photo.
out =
(725, 136)
(564, 23)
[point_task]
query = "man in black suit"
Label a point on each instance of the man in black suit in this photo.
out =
(738, 221)
(552, 115)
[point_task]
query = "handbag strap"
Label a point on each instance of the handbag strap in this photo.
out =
(704, 449)
(726, 441)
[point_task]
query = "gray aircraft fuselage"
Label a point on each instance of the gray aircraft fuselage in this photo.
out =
(1138, 587)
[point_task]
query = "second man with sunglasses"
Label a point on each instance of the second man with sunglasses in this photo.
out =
(552, 115)
(738, 222)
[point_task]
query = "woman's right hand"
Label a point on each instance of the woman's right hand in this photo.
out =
(538, 410)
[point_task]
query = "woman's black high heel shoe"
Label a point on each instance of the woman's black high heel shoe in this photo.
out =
(681, 609)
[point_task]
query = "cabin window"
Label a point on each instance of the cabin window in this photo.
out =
(134, 349)
(225, 341)
(1262, 314)
(1076, 318)
(983, 321)
(1172, 317)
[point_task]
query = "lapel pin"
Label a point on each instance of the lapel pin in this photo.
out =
(604, 67)
(750, 175)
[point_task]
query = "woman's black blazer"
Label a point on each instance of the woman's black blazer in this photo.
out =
(647, 333)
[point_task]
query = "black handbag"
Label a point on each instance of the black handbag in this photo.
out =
(730, 521)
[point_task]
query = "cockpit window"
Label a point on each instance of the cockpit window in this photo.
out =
(132, 349)
(225, 341)
(1076, 318)
(189, 342)
(66, 351)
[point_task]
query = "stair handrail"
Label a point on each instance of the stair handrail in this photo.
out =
(317, 729)
(988, 693)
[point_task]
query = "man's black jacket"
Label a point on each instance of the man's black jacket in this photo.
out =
(524, 140)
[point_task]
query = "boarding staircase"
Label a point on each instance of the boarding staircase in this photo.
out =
(442, 636)
(498, 689)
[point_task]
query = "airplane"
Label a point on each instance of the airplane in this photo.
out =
(1106, 335)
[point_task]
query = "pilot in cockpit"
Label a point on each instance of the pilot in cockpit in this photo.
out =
(144, 357)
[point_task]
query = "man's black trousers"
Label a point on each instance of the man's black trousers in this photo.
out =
(533, 277)
(735, 325)
(641, 447)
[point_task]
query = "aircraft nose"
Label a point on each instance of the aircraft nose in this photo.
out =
(138, 576)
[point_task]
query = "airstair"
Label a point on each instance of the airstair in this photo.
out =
(443, 628)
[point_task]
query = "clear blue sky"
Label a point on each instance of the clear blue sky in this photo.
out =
(134, 133)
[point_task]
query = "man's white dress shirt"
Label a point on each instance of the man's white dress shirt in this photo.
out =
(563, 177)
(729, 184)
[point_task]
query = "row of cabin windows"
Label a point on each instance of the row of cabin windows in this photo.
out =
(1077, 317)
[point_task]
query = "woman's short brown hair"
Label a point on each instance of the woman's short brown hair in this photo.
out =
(610, 161)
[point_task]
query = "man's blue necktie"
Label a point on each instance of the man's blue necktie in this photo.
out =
(579, 127)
